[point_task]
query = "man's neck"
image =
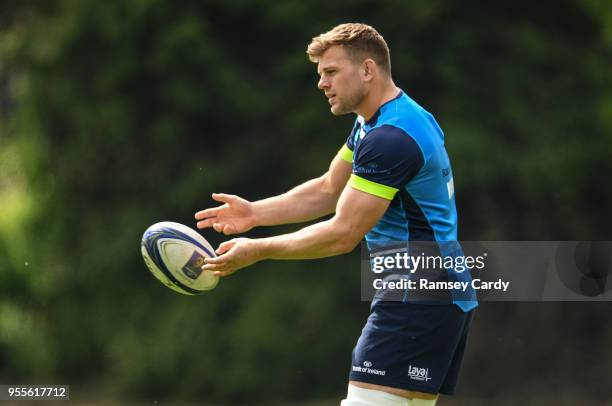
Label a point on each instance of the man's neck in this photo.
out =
(376, 99)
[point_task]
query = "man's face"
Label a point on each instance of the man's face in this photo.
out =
(340, 80)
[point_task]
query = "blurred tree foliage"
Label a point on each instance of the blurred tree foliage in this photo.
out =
(116, 115)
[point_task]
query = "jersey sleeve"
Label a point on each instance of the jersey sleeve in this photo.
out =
(346, 151)
(385, 161)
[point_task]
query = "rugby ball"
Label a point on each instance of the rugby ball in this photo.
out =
(175, 253)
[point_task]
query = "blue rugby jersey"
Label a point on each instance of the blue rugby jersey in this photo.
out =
(399, 155)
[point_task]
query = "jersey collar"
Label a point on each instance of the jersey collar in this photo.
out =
(372, 121)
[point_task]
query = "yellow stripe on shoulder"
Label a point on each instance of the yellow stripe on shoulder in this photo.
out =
(373, 188)
(346, 154)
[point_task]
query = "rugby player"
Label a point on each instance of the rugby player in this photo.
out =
(391, 182)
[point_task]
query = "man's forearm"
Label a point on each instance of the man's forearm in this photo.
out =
(308, 201)
(318, 240)
(356, 214)
(323, 239)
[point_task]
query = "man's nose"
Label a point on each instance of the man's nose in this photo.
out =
(323, 83)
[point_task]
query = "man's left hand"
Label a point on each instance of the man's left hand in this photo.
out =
(233, 255)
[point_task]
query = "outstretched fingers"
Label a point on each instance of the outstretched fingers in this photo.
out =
(221, 265)
(206, 223)
(207, 213)
(225, 246)
(225, 198)
(226, 228)
(209, 217)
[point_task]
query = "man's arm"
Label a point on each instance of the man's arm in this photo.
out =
(357, 212)
(308, 201)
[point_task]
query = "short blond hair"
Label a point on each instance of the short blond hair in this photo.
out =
(360, 40)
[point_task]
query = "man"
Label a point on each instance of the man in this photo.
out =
(391, 182)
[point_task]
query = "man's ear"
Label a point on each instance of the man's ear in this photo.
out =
(369, 69)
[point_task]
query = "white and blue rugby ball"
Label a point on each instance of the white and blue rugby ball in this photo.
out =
(175, 253)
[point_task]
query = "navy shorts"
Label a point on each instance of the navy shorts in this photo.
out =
(417, 347)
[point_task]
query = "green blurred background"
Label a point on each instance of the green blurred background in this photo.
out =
(115, 115)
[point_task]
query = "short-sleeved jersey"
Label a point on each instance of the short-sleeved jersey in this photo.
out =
(399, 155)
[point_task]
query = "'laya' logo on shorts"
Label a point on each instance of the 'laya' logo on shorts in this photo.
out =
(418, 374)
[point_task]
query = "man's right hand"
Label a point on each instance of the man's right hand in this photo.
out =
(233, 217)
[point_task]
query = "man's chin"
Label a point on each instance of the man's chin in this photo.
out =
(338, 111)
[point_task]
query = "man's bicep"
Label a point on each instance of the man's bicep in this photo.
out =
(358, 211)
(388, 157)
(338, 174)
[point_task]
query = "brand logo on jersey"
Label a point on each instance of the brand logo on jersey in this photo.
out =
(445, 172)
(367, 369)
(418, 374)
(369, 169)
